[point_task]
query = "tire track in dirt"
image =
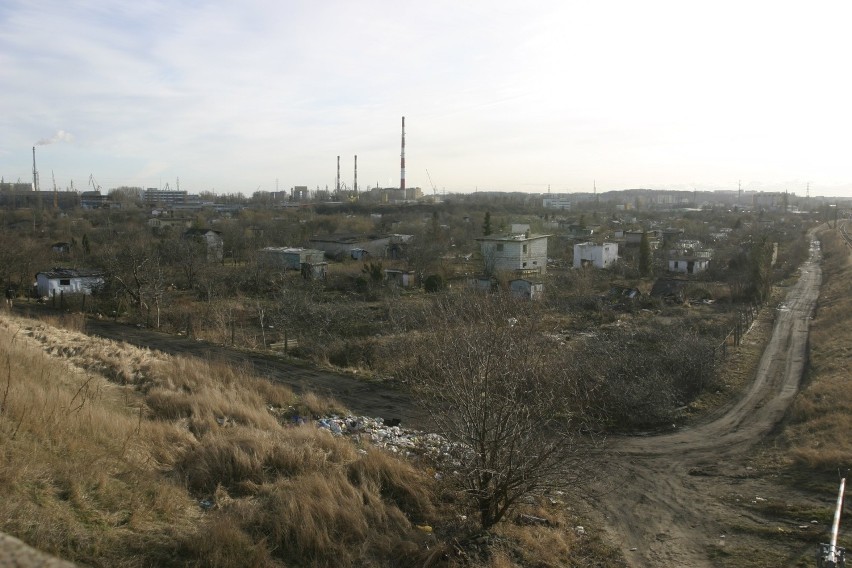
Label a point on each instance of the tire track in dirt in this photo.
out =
(661, 498)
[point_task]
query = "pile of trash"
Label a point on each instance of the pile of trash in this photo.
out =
(387, 434)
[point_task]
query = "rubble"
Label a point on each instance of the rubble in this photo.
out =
(388, 435)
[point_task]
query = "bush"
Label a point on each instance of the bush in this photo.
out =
(434, 283)
(645, 375)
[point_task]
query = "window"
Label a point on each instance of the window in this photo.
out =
(525, 265)
(525, 249)
(499, 247)
(64, 281)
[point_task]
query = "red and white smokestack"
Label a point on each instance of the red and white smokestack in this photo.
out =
(402, 159)
(356, 175)
(337, 187)
(35, 173)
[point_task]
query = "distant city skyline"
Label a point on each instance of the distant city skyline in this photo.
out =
(497, 95)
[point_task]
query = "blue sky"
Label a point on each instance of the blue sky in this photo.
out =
(497, 95)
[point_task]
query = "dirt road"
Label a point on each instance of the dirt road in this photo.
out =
(662, 497)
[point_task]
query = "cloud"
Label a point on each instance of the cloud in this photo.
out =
(60, 136)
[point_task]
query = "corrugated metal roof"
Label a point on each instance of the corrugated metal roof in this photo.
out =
(71, 273)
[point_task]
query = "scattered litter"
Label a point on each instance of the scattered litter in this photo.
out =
(532, 520)
(634, 549)
(389, 435)
(580, 530)
(206, 504)
(424, 528)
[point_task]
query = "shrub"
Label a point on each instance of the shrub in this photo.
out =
(434, 283)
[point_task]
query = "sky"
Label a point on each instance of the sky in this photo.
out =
(558, 95)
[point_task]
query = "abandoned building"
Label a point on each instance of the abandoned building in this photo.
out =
(311, 262)
(212, 239)
(519, 254)
(340, 246)
(688, 264)
(526, 289)
(601, 255)
(59, 281)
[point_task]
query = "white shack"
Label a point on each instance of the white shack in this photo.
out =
(598, 255)
(60, 281)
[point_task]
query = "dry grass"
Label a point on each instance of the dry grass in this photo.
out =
(821, 417)
(76, 479)
(109, 451)
(72, 321)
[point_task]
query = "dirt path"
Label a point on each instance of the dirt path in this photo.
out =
(662, 494)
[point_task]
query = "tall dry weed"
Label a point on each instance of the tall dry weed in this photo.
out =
(323, 520)
(109, 451)
(74, 462)
(397, 482)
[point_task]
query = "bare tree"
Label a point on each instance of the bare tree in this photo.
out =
(496, 386)
(186, 255)
(134, 271)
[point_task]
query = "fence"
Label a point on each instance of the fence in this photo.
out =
(745, 317)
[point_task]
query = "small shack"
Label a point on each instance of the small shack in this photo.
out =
(598, 255)
(526, 289)
(402, 278)
(670, 290)
(290, 258)
(688, 264)
(59, 281)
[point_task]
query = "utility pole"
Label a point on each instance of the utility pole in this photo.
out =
(830, 555)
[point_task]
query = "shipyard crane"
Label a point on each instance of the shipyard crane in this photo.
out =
(434, 191)
(94, 184)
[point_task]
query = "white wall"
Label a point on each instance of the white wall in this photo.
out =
(521, 254)
(600, 256)
(80, 285)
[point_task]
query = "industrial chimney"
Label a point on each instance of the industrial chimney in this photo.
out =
(35, 172)
(337, 187)
(355, 185)
(402, 162)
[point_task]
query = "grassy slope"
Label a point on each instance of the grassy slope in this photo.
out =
(109, 450)
(110, 472)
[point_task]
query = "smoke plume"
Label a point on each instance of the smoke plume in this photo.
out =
(60, 136)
